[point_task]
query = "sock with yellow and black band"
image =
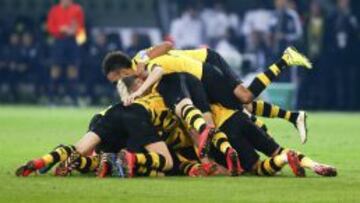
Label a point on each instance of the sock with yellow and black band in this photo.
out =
(271, 166)
(151, 160)
(59, 154)
(221, 142)
(193, 117)
(263, 80)
(88, 164)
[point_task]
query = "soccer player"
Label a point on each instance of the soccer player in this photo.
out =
(226, 91)
(154, 103)
(209, 56)
(120, 127)
(175, 89)
(259, 107)
(247, 137)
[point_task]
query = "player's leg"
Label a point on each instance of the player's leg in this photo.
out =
(246, 95)
(265, 144)
(270, 166)
(259, 123)
(318, 168)
(151, 161)
(291, 57)
(175, 91)
(46, 162)
(148, 172)
(83, 164)
(188, 163)
(217, 60)
(264, 109)
(86, 145)
(221, 142)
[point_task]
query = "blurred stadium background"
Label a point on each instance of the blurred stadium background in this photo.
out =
(40, 66)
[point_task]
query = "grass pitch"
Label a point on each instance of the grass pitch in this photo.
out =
(28, 132)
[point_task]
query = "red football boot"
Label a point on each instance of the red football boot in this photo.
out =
(210, 168)
(233, 162)
(30, 167)
(106, 165)
(205, 138)
(197, 171)
(294, 164)
(127, 161)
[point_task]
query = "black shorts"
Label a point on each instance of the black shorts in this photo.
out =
(217, 60)
(125, 127)
(177, 86)
(247, 138)
(218, 88)
(140, 128)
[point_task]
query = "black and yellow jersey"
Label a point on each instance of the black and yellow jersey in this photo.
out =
(161, 116)
(174, 62)
(196, 54)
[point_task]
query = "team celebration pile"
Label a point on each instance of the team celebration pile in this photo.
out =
(184, 113)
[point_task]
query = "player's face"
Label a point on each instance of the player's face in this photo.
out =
(118, 74)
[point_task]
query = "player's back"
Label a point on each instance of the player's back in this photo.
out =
(178, 63)
(161, 116)
(196, 54)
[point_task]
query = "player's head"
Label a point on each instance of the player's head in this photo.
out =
(117, 65)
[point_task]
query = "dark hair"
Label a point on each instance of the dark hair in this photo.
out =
(115, 60)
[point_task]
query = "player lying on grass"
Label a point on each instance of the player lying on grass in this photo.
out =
(120, 127)
(149, 115)
(219, 86)
(246, 137)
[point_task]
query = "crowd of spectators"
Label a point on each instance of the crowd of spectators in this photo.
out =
(52, 61)
(55, 63)
(326, 31)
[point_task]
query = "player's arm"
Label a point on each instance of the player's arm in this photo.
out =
(154, 76)
(156, 51)
(160, 50)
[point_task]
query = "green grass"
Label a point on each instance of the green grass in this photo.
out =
(28, 132)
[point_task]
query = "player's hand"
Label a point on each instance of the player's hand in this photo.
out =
(131, 98)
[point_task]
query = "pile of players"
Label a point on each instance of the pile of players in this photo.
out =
(183, 112)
